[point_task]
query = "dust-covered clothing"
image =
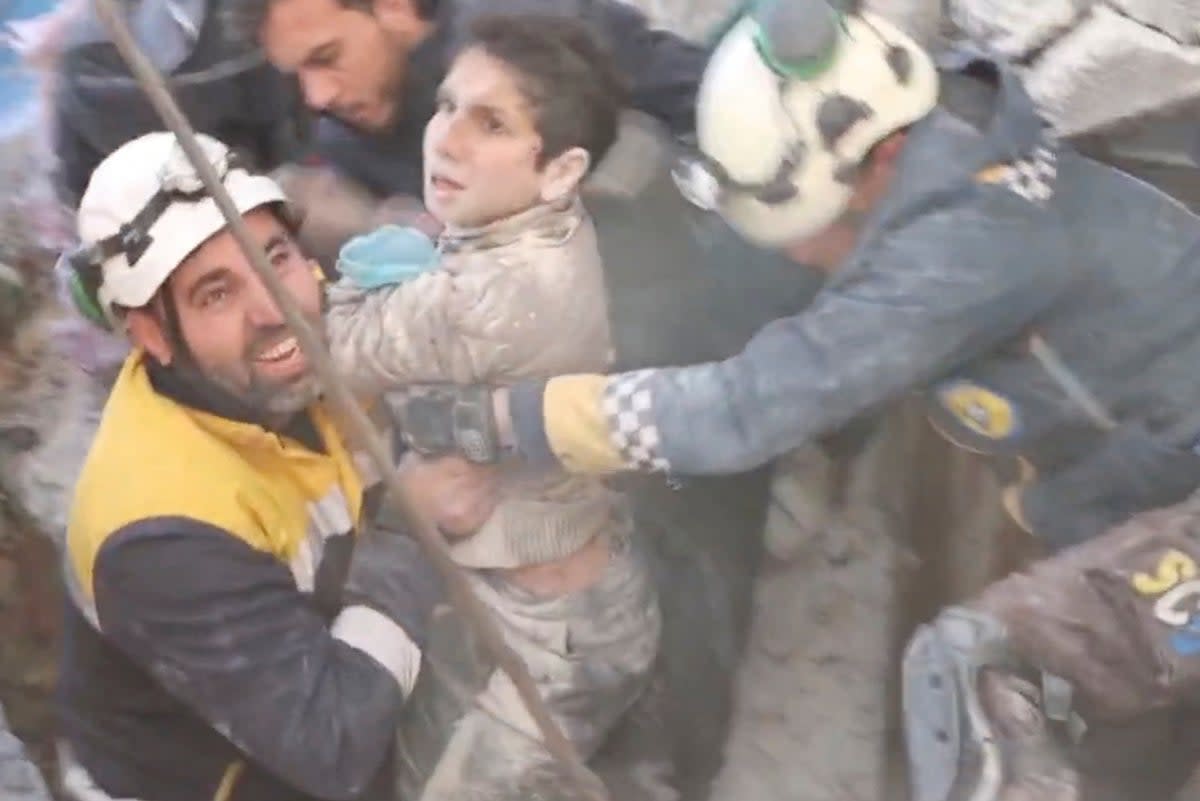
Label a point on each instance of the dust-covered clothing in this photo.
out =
(520, 298)
(226, 88)
(204, 626)
(1115, 617)
(468, 735)
(992, 240)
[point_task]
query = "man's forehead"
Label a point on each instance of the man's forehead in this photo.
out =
(293, 29)
(221, 253)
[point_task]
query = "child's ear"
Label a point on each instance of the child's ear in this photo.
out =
(317, 271)
(563, 174)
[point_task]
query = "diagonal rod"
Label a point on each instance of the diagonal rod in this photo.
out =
(474, 612)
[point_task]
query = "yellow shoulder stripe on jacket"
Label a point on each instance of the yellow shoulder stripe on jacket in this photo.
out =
(576, 426)
(993, 174)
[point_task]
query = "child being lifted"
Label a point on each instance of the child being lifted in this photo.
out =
(515, 289)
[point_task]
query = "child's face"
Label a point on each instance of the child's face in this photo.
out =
(481, 147)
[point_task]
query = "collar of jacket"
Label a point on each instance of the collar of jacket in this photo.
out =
(548, 224)
(261, 486)
(226, 413)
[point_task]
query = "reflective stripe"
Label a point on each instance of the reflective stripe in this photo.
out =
(380, 638)
(327, 517)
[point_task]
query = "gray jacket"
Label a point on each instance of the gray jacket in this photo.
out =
(518, 298)
(992, 236)
(226, 88)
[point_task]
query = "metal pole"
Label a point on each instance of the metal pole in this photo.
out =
(353, 417)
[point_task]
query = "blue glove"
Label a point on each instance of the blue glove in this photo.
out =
(387, 255)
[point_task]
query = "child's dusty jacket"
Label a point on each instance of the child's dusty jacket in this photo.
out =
(521, 298)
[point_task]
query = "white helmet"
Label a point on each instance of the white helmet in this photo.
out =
(793, 98)
(145, 210)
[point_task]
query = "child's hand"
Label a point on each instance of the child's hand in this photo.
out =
(452, 493)
(389, 255)
(406, 210)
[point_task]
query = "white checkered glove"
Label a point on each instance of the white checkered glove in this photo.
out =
(629, 411)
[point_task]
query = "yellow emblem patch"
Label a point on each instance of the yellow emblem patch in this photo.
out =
(979, 409)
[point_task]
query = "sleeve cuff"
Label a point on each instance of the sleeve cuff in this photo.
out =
(581, 423)
(525, 406)
(587, 423)
(380, 638)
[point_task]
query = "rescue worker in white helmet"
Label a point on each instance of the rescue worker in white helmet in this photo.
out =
(228, 634)
(1041, 301)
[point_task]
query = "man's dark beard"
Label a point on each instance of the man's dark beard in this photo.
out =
(251, 404)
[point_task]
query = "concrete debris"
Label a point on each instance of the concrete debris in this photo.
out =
(47, 404)
(1179, 19)
(1014, 29)
(63, 412)
(48, 411)
(1092, 64)
(920, 19)
(1110, 69)
(813, 690)
(20, 780)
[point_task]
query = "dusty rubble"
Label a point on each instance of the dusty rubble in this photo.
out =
(20, 780)
(1091, 64)
(1094, 65)
(47, 408)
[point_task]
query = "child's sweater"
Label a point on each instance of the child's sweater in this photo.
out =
(520, 298)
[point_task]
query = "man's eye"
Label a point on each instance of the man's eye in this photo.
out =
(213, 297)
(493, 125)
(325, 58)
(444, 105)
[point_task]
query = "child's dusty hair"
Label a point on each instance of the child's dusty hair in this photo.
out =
(568, 77)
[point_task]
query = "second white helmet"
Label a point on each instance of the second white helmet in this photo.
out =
(792, 100)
